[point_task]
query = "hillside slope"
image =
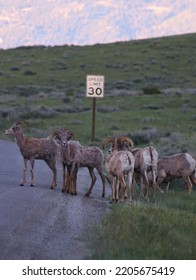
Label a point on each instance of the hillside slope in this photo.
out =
(149, 90)
(162, 62)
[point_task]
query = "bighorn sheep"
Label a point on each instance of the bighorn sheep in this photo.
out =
(73, 156)
(33, 148)
(120, 167)
(181, 165)
(146, 161)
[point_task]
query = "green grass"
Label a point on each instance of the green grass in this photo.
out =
(164, 228)
(154, 119)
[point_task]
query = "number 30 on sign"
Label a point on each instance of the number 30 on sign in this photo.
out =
(94, 86)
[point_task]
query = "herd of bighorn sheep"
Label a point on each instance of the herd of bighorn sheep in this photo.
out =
(125, 165)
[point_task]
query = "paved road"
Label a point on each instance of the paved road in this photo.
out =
(40, 223)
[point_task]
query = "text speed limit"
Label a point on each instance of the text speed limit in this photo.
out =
(95, 86)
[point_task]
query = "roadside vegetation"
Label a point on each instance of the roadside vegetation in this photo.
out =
(150, 96)
(163, 229)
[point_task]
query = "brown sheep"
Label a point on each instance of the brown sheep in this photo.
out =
(146, 161)
(120, 167)
(74, 156)
(181, 165)
(32, 149)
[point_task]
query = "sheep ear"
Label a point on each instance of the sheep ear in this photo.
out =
(71, 135)
(18, 122)
(56, 135)
(21, 122)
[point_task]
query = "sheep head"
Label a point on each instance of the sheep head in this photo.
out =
(123, 142)
(15, 128)
(62, 136)
(118, 143)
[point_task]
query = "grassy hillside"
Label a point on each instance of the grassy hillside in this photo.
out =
(162, 62)
(46, 86)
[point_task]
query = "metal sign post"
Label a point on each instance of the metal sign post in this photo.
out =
(94, 89)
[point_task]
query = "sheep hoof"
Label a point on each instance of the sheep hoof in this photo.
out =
(87, 194)
(22, 185)
(63, 191)
(74, 193)
(32, 185)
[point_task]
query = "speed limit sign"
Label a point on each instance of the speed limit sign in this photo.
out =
(94, 86)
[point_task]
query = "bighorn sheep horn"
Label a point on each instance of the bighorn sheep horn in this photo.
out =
(71, 135)
(106, 141)
(124, 139)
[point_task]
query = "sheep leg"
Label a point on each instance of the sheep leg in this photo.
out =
(24, 172)
(167, 186)
(73, 179)
(65, 175)
(126, 193)
(154, 183)
(110, 177)
(141, 186)
(146, 183)
(193, 177)
(103, 180)
(132, 190)
(161, 177)
(117, 189)
(68, 179)
(32, 161)
(93, 180)
(52, 166)
(144, 186)
(156, 187)
(188, 183)
(113, 188)
(123, 188)
(130, 178)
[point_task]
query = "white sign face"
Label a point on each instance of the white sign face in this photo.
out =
(94, 86)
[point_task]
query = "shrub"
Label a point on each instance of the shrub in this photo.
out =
(144, 136)
(151, 90)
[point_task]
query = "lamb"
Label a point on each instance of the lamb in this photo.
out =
(120, 167)
(32, 149)
(146, 162)
(74, 156)
(181, 165)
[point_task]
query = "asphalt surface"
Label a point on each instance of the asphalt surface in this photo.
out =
(40, 223)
